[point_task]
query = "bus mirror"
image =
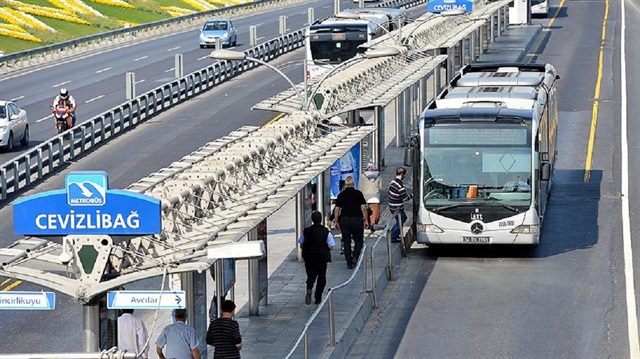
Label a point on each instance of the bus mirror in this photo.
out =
(408, 156)
(545, 171)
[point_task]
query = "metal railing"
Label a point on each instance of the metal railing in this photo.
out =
(46, 54)
(363, 261)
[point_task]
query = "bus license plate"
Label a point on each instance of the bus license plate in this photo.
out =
(482, 240)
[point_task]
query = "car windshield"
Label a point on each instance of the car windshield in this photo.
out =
(217, 25)
(3, 112)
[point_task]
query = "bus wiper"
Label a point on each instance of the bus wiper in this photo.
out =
(438, 209)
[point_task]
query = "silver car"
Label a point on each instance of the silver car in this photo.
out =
(14, 125)
(218, 28)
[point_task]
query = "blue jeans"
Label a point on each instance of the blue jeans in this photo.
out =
(396, 230)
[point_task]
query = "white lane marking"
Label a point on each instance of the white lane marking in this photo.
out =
(141, 58)
(204, 58)
(103, 70)
(173, 48)
(60, 84)
(260, 23)
(629, 281)
(171, 69)
(94, 99)
(260, 38)
(137, 82)
(45, 118)
(17, 98)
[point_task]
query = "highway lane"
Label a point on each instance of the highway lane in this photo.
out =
(97, 79)
(566, 298)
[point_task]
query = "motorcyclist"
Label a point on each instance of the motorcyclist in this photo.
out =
(65, 99)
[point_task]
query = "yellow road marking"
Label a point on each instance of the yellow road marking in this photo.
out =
(596, 98)
(279, 116)
(11, 286)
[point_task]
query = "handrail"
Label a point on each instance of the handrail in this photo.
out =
(329, 298)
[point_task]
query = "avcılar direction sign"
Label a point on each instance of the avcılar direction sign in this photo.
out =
(87, 206)
(438, 6)
(146, 299)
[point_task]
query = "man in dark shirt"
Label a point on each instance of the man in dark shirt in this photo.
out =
(351, 219)
(316, 242)
(224, 333)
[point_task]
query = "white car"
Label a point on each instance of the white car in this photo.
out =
(14, 125)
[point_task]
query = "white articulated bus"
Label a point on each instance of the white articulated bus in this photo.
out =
(483, 156)
(331, 41)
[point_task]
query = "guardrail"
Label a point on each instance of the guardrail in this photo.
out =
(53, 154)
(46, 54)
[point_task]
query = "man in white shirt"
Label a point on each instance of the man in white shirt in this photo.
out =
(132, 334)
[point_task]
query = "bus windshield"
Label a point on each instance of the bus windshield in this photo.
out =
(334, 52)
(335, 43)
(494, 174)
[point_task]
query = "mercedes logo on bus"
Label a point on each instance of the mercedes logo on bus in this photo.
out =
(476, 228)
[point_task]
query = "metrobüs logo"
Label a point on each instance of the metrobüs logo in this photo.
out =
(87, 188)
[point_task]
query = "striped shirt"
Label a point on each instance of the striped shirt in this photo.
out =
(397, 195)
(223, 334)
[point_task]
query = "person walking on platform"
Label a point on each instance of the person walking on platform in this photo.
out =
(179, 340)
(224, 333)
(351, 220)
(397, 197)
(316, 242)
(132, 334)
(370, 185)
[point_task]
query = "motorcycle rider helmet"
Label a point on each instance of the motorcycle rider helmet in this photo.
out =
(64, 93)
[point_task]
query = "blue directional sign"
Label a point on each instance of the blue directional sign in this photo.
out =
(27, 300)
(438, 6)
(87, 206)
(146, 299)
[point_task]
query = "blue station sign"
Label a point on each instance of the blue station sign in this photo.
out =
(438, 6)
(87, 206)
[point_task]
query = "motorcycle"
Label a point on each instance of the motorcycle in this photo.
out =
(62, 117)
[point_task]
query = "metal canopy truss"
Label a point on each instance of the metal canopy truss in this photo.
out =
(366, 83)
(211, 197)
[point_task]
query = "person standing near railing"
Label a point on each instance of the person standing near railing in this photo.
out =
(397, 197)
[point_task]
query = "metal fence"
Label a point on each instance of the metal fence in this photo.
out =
(53, 154)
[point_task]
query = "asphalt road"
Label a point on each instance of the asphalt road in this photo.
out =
(568, 297)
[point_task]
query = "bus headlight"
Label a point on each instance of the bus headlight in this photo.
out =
(526, 229)
(429, 228)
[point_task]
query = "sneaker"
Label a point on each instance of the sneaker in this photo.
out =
(341, 250)
(318, 301)
(307, 298)
(349, 266)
